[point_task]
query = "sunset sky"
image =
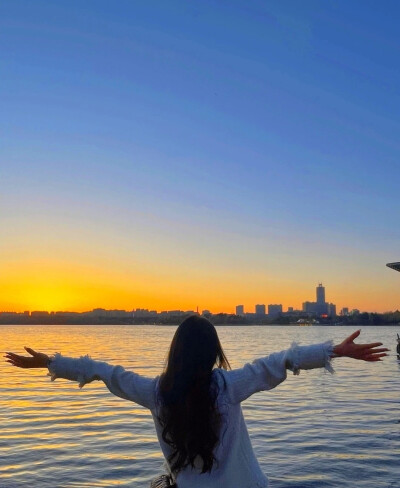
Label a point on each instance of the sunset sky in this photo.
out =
(169, 154)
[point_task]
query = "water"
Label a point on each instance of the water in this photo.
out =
(314, 430)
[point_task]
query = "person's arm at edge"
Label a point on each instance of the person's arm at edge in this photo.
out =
(268, 372)
(125, 384)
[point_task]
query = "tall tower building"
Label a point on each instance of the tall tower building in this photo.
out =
(320, 294)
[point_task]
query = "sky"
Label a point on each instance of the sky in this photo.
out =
(174, 154)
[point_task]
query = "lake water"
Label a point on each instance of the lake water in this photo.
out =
(315, 430)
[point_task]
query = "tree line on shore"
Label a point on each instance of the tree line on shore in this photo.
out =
(364, 318)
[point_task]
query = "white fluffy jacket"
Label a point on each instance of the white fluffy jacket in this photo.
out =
(236, 466)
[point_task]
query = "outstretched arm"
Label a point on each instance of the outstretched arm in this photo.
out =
(125, 384)
(268, 372)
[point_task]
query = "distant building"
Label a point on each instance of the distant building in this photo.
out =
(355, 311)
(344, 311)
(310, 307)
(97, 312)
(323, 308)
(66, 314)
(320, 306)
(320, 290)
(144, 313)
(39, 313)
(175, 314)
(206, 313)
(108, 314)
(274, 310)
(239, 310)
(332, 310)
(260, 310)
(290, 309)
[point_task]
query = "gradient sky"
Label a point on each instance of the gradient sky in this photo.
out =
(169, 154)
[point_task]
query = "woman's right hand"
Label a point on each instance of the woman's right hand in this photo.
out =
(38, 359)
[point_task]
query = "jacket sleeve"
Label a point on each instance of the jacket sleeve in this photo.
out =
(268, 372)
(124, 384)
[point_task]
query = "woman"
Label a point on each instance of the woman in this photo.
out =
(195, 406)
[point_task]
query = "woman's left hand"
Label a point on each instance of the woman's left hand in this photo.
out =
(38, 359)
(365, 352)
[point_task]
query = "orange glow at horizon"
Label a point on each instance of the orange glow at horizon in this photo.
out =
(75, 287)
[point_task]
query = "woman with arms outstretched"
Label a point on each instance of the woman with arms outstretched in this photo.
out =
(196, 402)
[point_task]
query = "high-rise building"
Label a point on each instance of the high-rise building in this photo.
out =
(260, 310)
(332, 310)
(344, 311)
(309, 307)
(320, 307)
(239, 310)
(320, 294)
(274, 310)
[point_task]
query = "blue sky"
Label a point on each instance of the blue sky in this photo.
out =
(212, 132)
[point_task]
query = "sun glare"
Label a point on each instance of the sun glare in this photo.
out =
(48, 298)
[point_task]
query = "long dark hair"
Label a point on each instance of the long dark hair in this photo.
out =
(188, 415)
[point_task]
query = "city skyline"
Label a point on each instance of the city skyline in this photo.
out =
(319, 307)
(170, 154)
